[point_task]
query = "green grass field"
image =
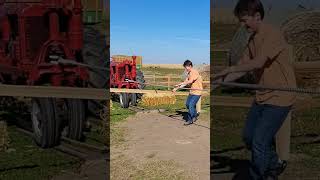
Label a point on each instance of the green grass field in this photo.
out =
(27, 161)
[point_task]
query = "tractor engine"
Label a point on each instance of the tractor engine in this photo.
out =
(35, 31)
(34, 34)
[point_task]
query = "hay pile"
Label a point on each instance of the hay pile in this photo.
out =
(302, 31)
(158, 99)
(204, 71)
(308, 79)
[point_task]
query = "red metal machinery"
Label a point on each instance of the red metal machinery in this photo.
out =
(124, 74)
(31, 32)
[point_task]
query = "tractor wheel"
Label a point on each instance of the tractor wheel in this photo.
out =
(141, 81)
(76, 118)
(95, 52)
(133, 99)
(45, 122)
(124, 100)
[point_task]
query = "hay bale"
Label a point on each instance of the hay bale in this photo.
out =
(204, 71)
(302, 31)
(158, 99)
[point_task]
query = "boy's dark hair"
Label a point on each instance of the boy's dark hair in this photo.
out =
(187, 63)
(248, 7)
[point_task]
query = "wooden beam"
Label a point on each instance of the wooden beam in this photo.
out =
(55, 92)
(140, 91)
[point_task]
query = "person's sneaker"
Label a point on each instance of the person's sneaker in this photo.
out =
(271, 178)
(272, 175)
(196, 118)
(188, 123)
(281, 167)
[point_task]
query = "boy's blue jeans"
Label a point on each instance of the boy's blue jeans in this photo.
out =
(262, 124)
(191, 106)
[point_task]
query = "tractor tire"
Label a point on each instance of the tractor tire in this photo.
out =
(45, 122)
(76, 118)
(133, 100)
(124, 100)
(95, 52)
(141, 81)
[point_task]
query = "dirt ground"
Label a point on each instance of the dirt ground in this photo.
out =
(152, 137)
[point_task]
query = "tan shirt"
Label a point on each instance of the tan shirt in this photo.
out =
(278, 71)
(197, 84)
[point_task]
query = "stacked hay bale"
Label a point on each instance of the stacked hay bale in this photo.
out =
(157, 99)
(303, 32)
(204, 71)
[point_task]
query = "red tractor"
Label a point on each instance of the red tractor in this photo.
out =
(32, 34)
(124, 74)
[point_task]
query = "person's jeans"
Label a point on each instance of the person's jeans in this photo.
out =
(262, 124)
(191, 106)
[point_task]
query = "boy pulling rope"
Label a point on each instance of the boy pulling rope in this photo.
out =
(267, 58)
(195, 80)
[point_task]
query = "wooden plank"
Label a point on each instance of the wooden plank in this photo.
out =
(56, 92)
(302, 66)
(160, 77)
(141, 91)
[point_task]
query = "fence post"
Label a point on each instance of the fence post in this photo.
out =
(198, 106)
(169, 80)
(97, 10)
(283, 139)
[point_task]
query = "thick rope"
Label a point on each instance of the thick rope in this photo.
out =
(60, 60)
(155, 85)
(259, 87)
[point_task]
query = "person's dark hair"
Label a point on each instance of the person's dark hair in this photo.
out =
(187, 63)
(248, 7)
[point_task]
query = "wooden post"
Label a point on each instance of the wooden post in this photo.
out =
(97, 10)
(283, 139)
(169, 80)
(85, 13)
(4, 138)
(284, 133)
(198, 106)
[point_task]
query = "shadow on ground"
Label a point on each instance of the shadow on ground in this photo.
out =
(224, 165)
(183, 114)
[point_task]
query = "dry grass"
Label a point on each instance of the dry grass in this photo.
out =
(123, 168)
(163, 66)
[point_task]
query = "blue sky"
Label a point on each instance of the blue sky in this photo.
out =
(162, 31)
